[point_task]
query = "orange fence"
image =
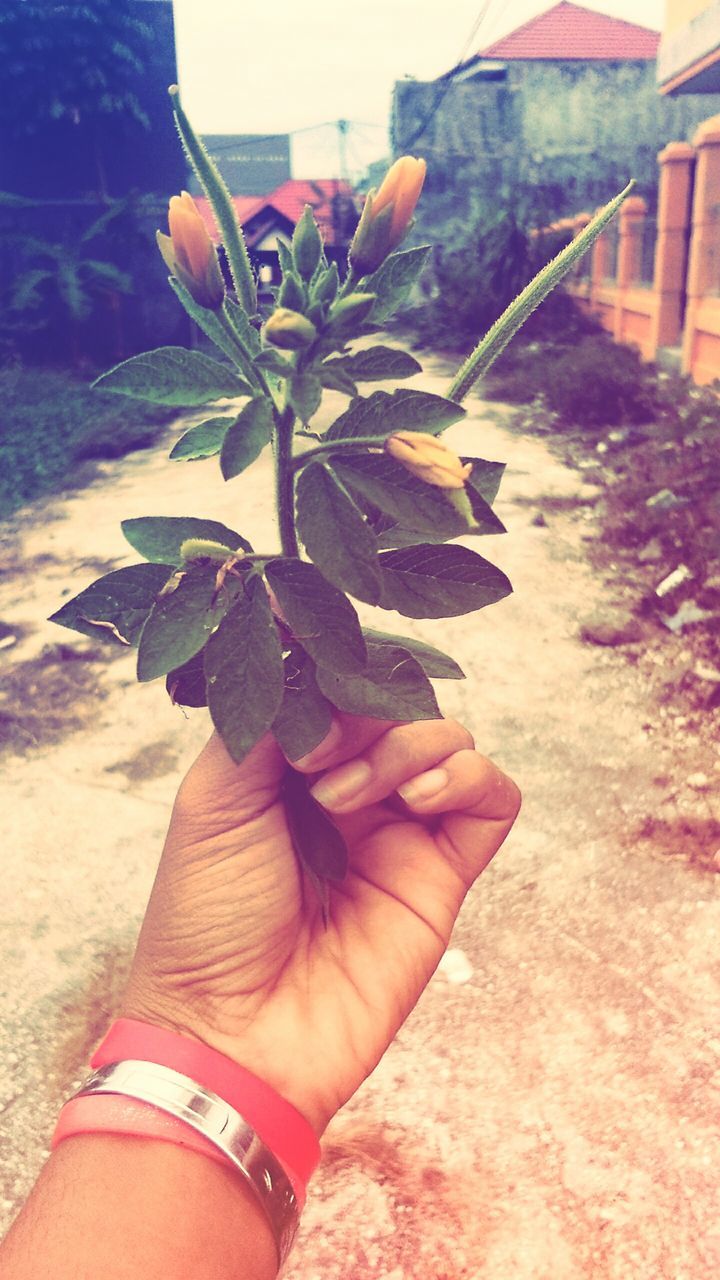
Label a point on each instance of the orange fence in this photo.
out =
(656, 284)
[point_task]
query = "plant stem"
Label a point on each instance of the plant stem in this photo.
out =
(284, 481)
(505, 328)
(337, 446)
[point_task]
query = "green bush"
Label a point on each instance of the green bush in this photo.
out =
(592, 383)
(473, 276)
(50, 422)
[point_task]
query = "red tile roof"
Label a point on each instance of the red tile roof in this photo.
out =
(569, 32)
(289, 199)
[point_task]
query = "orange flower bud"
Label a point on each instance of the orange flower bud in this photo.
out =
(386, 214)
(190, 254)
(428, 458)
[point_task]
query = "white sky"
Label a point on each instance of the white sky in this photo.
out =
(265, 66)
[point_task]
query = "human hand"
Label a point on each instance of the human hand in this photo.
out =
(234, 950)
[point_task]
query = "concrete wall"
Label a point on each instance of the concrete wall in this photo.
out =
(569, 133)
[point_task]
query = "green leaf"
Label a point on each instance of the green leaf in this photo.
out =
(202, 441)
(161, 537)
(382, 413)
(375, 364)
(318, 842)
(485, 477)
(393, 489)
(271, 361)
(247, 334)
(247, 437)
(484, 518)
(436, 664)
(305, 715)
(318, 614)
(393, 687)
(186, 684)
(306, 245)
(206, 320)
(334, 377)
(336, 536)
(116, 606)
(429, 581)
(285, 257)
(326, 285)
(181, 621)
(392, 282)
(292, 293)
(244, 670)
(305, 392)
(174, 376)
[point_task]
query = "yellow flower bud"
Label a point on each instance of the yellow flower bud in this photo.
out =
(289, 330)
(190, 254)
(428, 458)
(386, 214)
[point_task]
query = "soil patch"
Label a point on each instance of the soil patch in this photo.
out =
(153, 761)
(48, 697)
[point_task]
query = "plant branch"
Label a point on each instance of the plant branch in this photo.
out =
(505, 328)
(337, 446)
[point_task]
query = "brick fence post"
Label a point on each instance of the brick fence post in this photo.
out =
(705, 227)
(629, 266)
(600, 265)
(676, 162)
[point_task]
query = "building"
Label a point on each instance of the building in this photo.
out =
(251, 164)
(562, 110)
(271, 217)
(689, 55)
(671, 310)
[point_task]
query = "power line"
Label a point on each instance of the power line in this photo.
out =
(446, 82)
(252, 140)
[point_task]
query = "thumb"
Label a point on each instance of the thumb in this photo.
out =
(217, 793)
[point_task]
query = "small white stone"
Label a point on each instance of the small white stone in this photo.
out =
(698, 781)
(455, 966)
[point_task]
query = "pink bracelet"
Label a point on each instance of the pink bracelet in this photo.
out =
(280, 1127)
(111, 1113)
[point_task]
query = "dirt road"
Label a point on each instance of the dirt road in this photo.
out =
(550, 1110)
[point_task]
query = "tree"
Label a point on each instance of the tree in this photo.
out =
(68, 68)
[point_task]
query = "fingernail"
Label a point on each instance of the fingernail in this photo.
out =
(424, 786)
(342, 784)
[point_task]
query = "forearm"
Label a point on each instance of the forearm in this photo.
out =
(130, 1207)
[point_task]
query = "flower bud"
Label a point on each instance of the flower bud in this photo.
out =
(428, 458)
(190, 254)
(289, 330)
(350, 311)
(205, 549)
(386, 215)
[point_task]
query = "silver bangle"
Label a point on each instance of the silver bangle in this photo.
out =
(217, 1121)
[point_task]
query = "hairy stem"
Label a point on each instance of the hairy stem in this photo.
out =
(219, 197)
(337, 446)
(505, 328)
(284, 481)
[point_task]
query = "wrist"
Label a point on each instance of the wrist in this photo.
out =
(270, 1060)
